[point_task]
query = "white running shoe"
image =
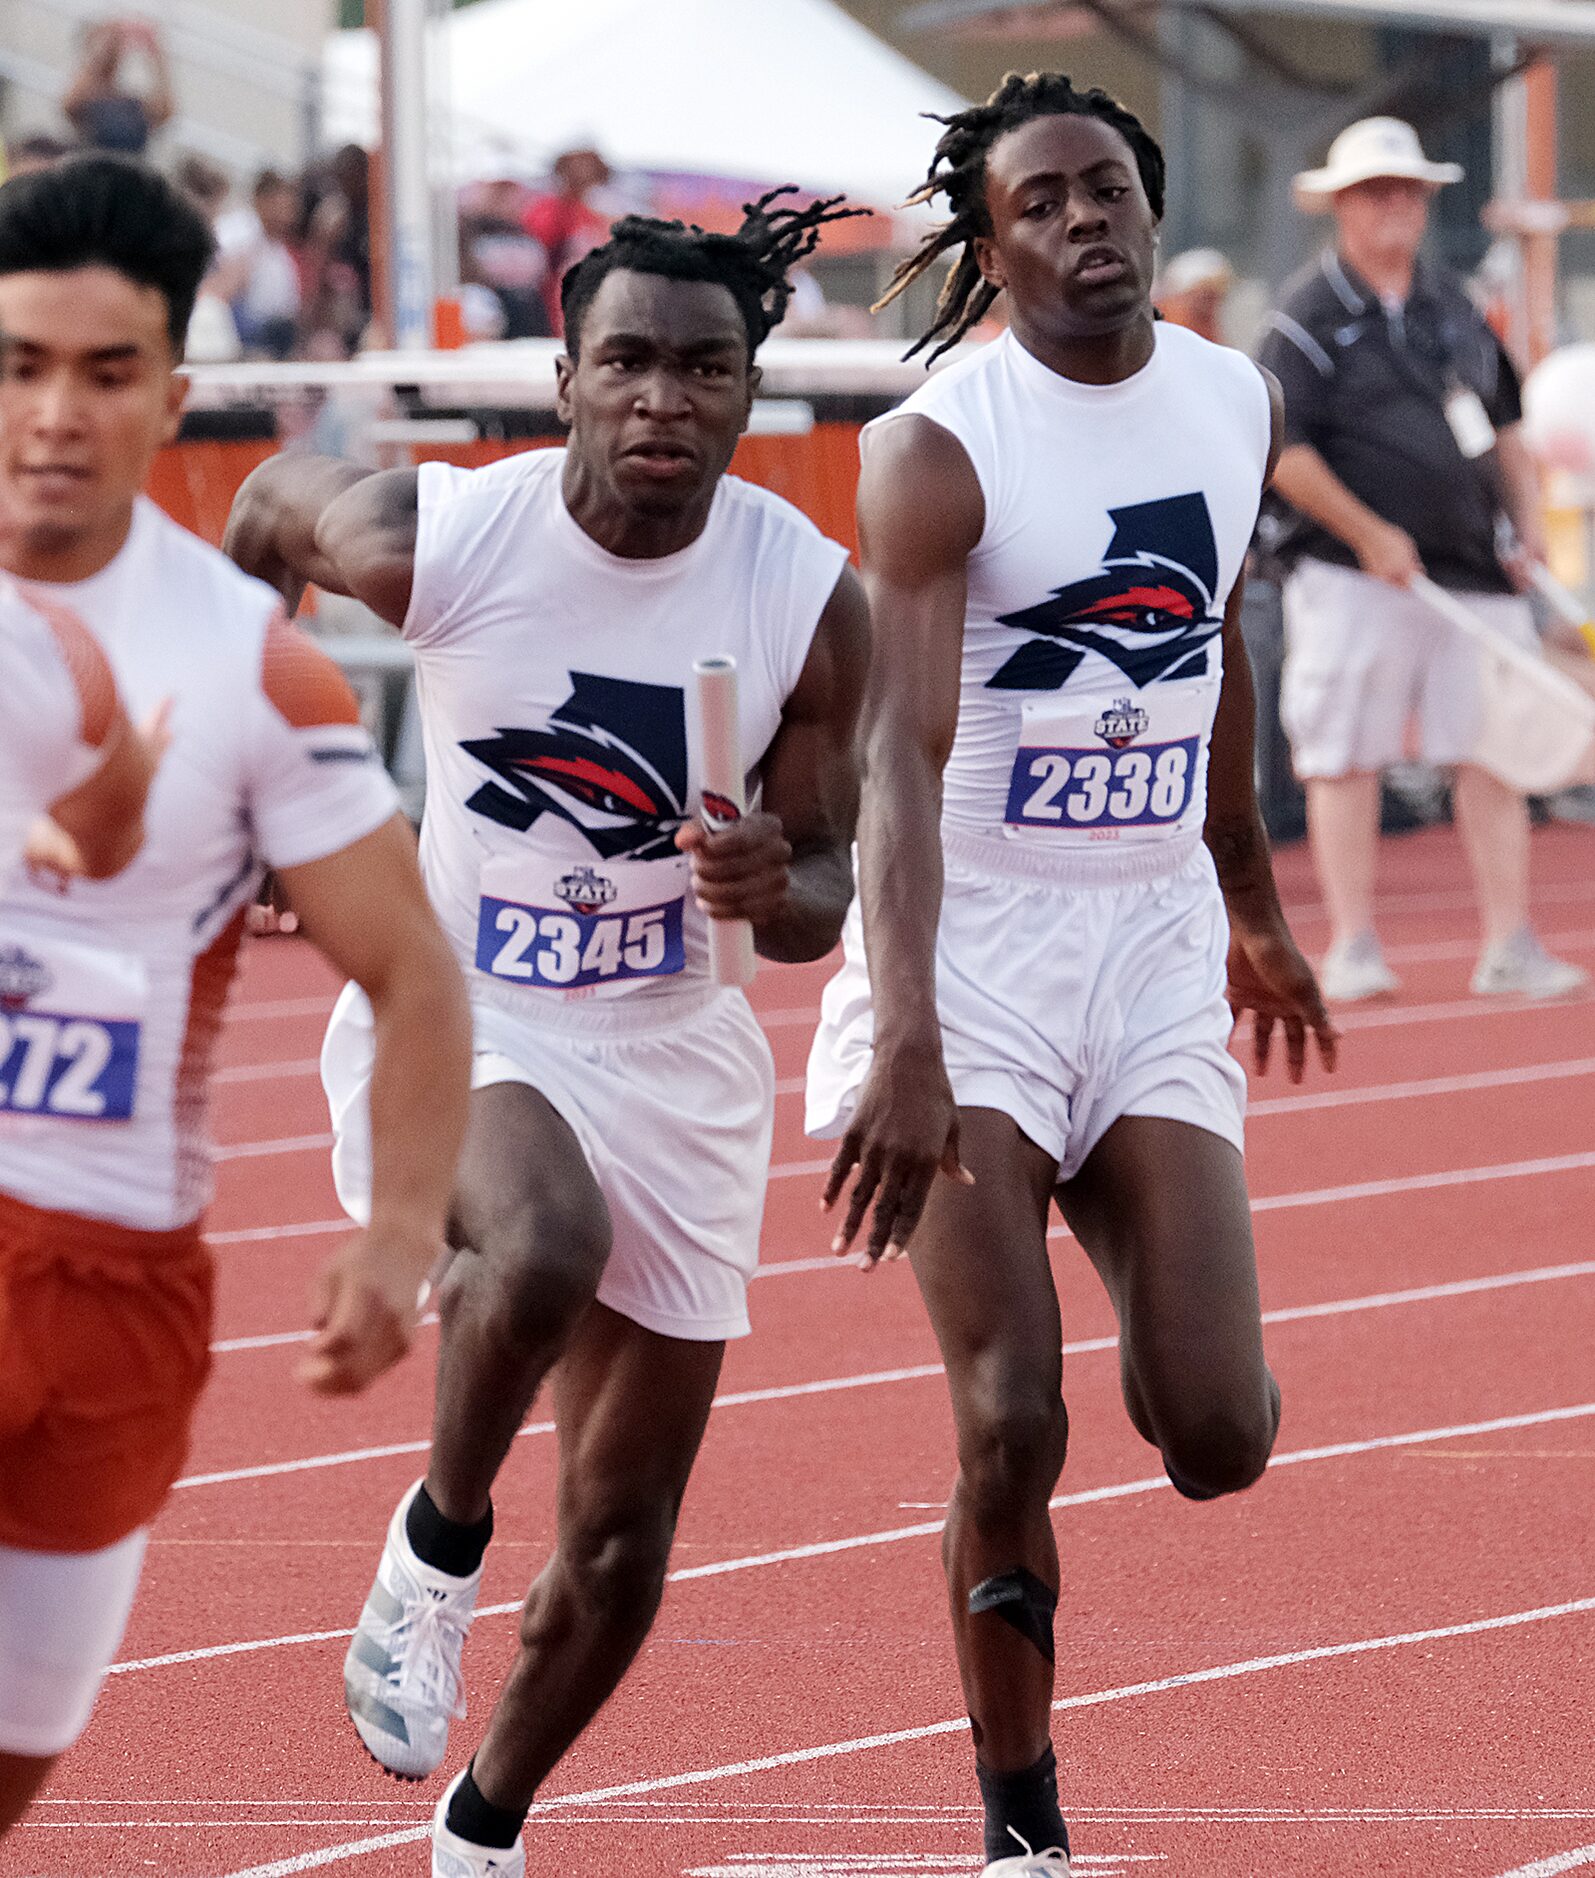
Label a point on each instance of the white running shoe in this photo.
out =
(1355, 971)
(454, 1857)
(1520, 967)
(401, 1678)
(1053, 1863)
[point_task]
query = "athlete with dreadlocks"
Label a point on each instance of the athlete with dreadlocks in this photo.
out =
(611, 1193)
(1060, 711)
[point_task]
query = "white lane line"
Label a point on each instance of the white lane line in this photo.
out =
(1085, 1346)
(896, 1535)
(1558, 1862)
(1423, 1183)
(260, 1235)
(261, 1009)
(1568, 1068)
(267, 1072)
(277, 1144)
(1278, 1105)
(795, 1757)
(1449, 900)
(1437, 951)
(1388, 1016)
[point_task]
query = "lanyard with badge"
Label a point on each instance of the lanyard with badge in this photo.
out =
(71, 1018)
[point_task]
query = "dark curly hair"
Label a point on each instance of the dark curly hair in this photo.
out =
(108, 211)
(958, 172)
(755, 263)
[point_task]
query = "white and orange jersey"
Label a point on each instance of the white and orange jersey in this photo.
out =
(111, 991)
(58, 704)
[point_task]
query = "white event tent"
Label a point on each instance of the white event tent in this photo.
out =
(757, 90)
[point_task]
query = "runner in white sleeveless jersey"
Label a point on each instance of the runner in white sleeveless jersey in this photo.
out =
(73, 771)
(613, 1183)
(111, 990)
(1059, 807)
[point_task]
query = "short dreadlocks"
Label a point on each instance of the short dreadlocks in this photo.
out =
(958, 172)
(755, 263)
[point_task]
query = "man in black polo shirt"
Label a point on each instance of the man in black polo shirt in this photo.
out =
(1402, 457)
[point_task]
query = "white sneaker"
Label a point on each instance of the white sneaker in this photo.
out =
(1520, 967)
(401, 1678)
(1053, 1863)
(454, 1857)
(1355, 971)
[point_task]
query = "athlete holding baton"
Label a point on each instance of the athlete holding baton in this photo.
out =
(612, 1187)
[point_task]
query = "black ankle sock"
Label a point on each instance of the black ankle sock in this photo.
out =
(479, 1820)
(1028, 1802)
(444, 1545)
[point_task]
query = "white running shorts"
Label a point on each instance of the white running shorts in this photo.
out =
(1364, 661)
(673, 1110)
(1063, 1006)
(62, 1615)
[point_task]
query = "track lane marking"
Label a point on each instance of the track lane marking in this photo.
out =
(796, 1757)
(786, 1392)
(830, 1548)
(1558, 1862)
(1566, 1069)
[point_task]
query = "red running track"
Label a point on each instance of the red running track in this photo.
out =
(1377, 1661)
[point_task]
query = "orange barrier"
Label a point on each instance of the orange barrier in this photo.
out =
(195, 480)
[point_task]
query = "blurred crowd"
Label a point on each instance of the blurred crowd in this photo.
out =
(293, 269)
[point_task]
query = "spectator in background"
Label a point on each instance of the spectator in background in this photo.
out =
(569, 220)
(100, 106)
(499, 254)
(260, 268)
(1192, 292)
(1402, 455)
(212, 334)
(337, 252)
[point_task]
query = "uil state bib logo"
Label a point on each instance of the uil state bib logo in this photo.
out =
(22, 979)
(584, 890)
(1121, 723)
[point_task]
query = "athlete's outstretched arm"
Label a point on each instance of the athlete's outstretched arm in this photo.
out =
(1267, 974)
(921, 513)
(367, 911)
(788, 867)
(312, 520)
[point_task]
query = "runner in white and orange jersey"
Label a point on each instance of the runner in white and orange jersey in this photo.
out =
(113, 989)
(73, 771)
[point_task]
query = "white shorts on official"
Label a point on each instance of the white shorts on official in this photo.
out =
(1062, 1005)
(1373, 676)
(673, 1104)
(62, 1615)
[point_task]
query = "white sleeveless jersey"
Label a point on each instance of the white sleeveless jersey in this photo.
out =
(111, 991)
(1117, 521)
(555, 683)
(57, 704)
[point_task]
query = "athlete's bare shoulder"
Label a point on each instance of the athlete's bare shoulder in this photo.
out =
(920, 503)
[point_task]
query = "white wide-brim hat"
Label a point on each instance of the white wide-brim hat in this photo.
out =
(1374, 146)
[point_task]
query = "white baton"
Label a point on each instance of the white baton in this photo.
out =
(731, 955)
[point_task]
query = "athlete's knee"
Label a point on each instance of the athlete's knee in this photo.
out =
(1011, 1451)
(1223, 1448)
(540, 1260)
(616, 1562)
